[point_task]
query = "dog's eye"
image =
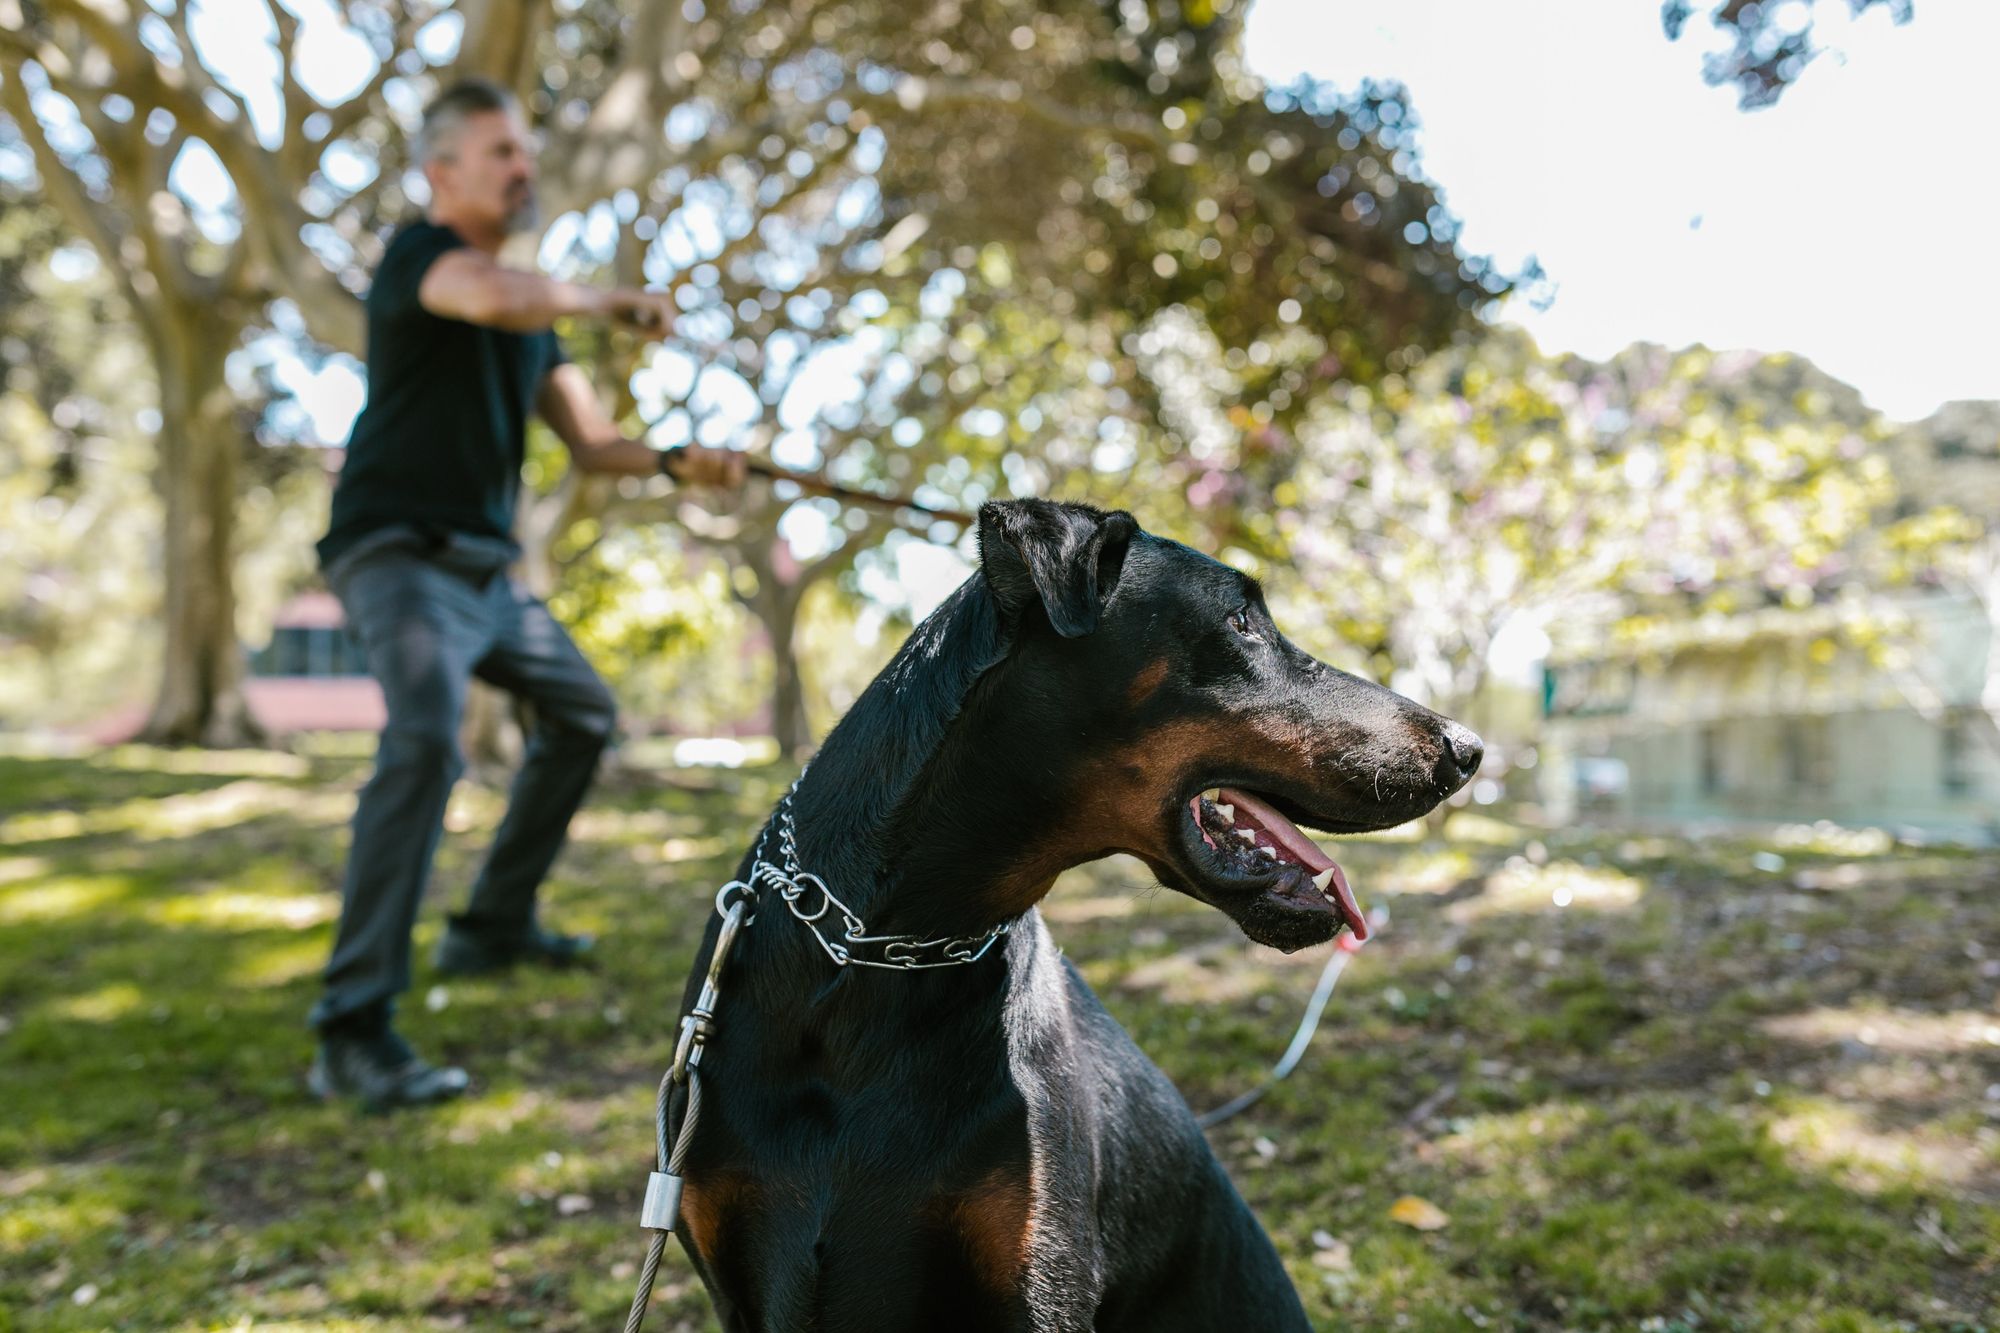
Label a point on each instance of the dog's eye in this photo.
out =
(1239, 620)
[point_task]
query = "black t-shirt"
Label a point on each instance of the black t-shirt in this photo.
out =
(439, 444)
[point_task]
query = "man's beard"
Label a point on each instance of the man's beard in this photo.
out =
(524, 210)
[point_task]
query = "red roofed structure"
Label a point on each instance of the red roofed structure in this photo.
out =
(311, 676)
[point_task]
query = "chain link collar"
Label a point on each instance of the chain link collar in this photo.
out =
(845, 941)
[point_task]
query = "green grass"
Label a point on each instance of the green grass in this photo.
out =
(1697, 1095)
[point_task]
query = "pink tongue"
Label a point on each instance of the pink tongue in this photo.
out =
(1304, 850)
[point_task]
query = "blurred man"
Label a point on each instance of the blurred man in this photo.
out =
(460, 351)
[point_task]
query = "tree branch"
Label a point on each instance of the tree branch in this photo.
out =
(295, 99)
(799, 189)
(271, 214)
(343, 118)
(622, 143)
(93, 219)
(145, 73)
(499, 40)
(915, 93)
(138, 171)
(204, 79)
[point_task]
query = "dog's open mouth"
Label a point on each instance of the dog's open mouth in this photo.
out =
(1246, 844)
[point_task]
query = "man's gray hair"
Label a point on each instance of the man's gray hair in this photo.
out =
(449, 110)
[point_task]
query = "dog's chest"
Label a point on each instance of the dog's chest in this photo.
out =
(865, 1254)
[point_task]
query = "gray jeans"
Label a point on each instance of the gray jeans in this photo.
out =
(429, 619)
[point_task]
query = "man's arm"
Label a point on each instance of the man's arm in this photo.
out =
(468, 285)
(569, 404)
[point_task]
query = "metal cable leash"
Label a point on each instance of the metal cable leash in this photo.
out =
(1345, 948)
(662, 1207)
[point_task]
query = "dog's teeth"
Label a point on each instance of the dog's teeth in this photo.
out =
(1248, 835)
(1321, 880)
(1228, 813)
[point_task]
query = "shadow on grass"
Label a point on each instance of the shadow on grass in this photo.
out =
(1620, 1065)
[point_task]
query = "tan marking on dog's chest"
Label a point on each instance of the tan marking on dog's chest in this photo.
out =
(706, 1202)
(995, 1222)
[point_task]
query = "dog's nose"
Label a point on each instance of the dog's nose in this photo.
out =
(1466, 749)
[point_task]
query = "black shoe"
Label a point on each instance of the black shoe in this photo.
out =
(381, 1072)
(462, 953)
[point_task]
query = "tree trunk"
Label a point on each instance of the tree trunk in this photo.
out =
(789, 722)
(201, 700)
(1985, 582)
(491, 735)
(781, 587)
(781, 584)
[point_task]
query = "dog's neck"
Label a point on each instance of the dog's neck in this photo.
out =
(909, 814)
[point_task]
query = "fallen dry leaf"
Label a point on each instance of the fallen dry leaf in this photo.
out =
(1419, 1213)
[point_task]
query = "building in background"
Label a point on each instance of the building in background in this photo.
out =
(1781, 716)
(310, 676)
(1864, 714)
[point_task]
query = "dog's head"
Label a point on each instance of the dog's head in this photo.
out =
(1175, 722)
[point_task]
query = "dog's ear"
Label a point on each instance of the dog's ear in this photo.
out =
(1067, 556)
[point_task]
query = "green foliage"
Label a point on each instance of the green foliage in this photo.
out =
(1068, 248)
(656, 617)
(1415, 519)
(971, 221)
(77, 516)
(1425, 513)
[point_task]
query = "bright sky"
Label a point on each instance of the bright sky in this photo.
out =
(1851, 223)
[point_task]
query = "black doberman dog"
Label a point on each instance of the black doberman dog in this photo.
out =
(981, 1146)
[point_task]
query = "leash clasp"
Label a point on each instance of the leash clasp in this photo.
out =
(733, 902)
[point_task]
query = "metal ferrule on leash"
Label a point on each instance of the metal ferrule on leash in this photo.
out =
(662, 1207)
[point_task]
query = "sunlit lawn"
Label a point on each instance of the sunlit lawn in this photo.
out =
(1652, 1084)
